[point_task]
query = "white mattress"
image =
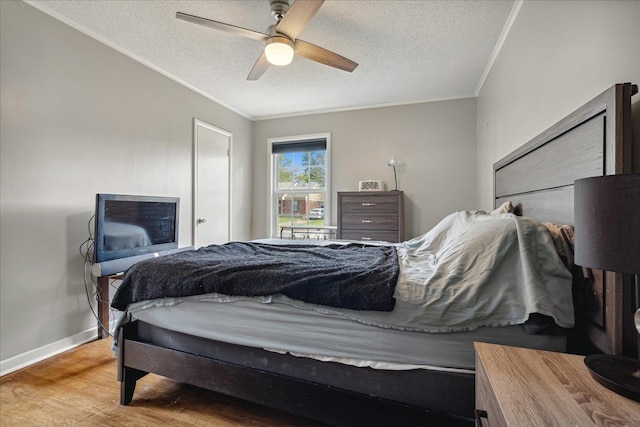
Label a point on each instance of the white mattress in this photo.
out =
(277, 326)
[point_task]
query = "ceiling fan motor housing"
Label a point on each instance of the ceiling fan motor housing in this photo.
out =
(279, 8)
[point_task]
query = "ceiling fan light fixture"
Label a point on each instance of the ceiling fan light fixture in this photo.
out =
(279, 50)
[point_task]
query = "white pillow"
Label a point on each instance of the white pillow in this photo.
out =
(506, 207)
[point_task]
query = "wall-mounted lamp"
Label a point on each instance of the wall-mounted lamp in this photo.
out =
(392, 163)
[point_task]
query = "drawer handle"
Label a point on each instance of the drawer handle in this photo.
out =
(368, 204)
(480, 414)
(366, 238)
(367, 221)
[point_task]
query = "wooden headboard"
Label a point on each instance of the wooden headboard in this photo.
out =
(538, 177)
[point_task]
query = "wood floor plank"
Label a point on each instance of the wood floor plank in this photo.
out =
(79, 388)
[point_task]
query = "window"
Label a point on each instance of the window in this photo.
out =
(300, 188)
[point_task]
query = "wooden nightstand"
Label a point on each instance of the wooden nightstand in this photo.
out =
(522, 387)
(371, 215)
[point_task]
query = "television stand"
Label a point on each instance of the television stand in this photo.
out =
(107, 271)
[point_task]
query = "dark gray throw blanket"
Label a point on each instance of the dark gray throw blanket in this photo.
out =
(353, 276)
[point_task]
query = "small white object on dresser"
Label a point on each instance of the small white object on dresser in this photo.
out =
(370, 185)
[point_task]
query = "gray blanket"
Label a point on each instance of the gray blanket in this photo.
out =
(353, 276)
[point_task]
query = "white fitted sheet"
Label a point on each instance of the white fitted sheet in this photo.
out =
(277, 326)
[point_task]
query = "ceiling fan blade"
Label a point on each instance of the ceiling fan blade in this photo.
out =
(259, 67)
(323, 56)
(297, 17)
(221, 26)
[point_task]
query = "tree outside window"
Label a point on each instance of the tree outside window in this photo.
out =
(301, 186)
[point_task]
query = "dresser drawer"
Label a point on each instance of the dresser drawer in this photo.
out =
(488, 411)
(375, 215)
(369, 221)
(369, 203)
(368, 235)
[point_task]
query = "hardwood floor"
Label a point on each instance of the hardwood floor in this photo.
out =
(79, 387)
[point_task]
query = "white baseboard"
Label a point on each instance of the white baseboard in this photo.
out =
(36, 355)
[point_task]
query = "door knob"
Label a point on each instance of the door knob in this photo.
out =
(202, 220)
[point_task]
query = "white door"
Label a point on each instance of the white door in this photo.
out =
(211, 198)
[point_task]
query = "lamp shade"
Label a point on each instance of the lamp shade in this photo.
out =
(607, 223)
(279, 50)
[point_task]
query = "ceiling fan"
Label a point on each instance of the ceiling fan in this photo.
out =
(280, 39)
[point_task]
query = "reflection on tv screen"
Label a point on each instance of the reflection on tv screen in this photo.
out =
(132, 224)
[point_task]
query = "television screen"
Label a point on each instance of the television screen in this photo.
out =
(127, 226)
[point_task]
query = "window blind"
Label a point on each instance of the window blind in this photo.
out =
(299, 146)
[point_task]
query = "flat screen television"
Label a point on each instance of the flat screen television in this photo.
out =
(127, 226)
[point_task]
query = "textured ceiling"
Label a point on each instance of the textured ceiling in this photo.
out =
(407, 51)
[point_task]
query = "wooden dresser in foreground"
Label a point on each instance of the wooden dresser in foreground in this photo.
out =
(371, 215)
(522, 387)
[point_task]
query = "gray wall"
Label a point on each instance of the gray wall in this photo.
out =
(557, 56)
(435, 143)
(79, 118)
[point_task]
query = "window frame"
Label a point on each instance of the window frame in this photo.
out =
(272, 200)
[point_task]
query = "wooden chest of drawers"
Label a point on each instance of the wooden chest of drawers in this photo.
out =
(371, 215)
(529, 388)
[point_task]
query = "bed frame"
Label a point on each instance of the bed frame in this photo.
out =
(594, 140)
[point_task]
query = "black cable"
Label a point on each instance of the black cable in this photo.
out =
(86, 251)
(86, 288)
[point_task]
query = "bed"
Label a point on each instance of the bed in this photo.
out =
(351, 384)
